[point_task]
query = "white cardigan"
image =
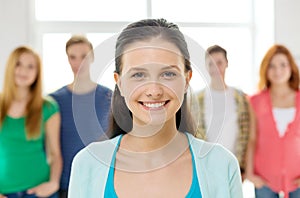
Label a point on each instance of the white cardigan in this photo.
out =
(217, 170)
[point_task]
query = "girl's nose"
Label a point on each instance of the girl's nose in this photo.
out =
(154, 90)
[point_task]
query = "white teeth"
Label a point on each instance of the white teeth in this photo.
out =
(154, 105)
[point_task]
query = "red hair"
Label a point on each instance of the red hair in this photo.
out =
(264, 83)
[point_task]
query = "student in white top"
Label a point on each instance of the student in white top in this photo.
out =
(224, 110)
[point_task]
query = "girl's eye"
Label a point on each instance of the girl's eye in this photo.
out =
(138, 75)
(210, 64)
(72, 57)
(283, 65)
(30, 66)
(169, 75)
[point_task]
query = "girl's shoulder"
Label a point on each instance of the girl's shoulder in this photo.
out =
(210, 153)
(260, 94)
(97, 152)
(50, 106)
(49, 100)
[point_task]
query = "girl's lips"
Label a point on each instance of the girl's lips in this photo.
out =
(154, 105)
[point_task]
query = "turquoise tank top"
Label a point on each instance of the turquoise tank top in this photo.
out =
(110, 192)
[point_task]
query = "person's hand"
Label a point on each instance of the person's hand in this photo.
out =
(257, 181)
(2, 196)
(243, 176)
(297, 182)
(44, 190)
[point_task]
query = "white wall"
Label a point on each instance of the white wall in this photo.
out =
(287, 26)
(14, 29)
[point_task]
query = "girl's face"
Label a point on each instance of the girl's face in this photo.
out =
(79, 58)
(153, 81)
(26, 70)
(279, 70)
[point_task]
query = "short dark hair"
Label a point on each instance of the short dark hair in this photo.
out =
(216, 49)
(79, 39)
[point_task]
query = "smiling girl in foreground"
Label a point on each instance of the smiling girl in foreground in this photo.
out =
(155, 155)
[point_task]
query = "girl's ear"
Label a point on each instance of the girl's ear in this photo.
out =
(118, 82)
(188, 77)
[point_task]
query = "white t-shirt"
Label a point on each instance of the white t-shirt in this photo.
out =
(282, 117)
(221, 117)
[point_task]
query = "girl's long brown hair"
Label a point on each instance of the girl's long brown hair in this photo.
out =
(33, 111)
(120, 116)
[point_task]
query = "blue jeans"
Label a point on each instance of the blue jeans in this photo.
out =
(266, 192)
(23, 194)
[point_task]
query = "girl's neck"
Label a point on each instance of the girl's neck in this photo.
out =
(22, 95)
(282, 96)
(281, 90)
(147, 138)
(145, 154)
(18, 106)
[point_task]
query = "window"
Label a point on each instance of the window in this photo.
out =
(56, 63)
(235, 25)
(203, 11)
(237, 42)
(90, 10)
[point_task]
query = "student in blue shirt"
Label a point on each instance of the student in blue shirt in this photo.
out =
(84, 106)
(154, 153)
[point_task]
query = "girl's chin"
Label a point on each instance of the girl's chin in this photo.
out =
(154, 120)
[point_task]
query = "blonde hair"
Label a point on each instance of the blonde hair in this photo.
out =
(33, 112)
(264, 83)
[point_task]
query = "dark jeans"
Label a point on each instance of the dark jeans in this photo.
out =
(23, 194)
(63, 193)
(266, 192)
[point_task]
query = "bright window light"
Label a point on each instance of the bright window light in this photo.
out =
(57, 71)
(237, 42)
(90, 10)
(204, 11)
(236, 25)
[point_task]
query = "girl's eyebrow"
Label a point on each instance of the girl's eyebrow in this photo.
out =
(139, 69)
(171, 67)
(136, 69)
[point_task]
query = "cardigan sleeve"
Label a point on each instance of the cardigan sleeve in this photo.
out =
(75, 185)
(90, 169)
(235, 181)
